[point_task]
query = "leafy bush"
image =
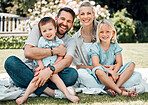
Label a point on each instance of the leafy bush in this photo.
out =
(43, 8)
(12, 42)
(125, 26)
(142, 32)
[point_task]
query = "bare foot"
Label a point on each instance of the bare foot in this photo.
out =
(21, 100)
(128, 93)
(73, 99)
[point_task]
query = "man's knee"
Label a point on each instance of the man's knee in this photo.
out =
(74, 74)
(10, 62)
(71, 77)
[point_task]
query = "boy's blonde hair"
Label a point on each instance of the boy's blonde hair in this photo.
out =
(108, 23)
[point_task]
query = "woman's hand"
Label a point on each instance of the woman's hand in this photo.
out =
(42, 76)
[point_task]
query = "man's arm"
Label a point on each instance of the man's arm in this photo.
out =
(68, 58)
(58, 59)
(33, 52)
(43, 75)
(66, 62)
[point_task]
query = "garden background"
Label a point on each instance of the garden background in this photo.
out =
(131, 22)
(129, 16)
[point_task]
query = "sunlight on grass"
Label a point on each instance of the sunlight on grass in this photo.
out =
(86, 99)
(137, 53)
(5, 53)
(131, 52)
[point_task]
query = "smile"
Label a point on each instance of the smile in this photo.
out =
(49, 36)
(86, 21)
(63, 27)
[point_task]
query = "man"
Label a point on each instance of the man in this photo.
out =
(21, 72)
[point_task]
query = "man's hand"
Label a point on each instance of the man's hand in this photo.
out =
(60, 50)
(42, 76)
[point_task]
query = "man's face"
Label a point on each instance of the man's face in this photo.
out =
(64, 23)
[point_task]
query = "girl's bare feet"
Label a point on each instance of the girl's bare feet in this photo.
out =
(128, 93)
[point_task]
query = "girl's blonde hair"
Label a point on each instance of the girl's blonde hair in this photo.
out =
(95, 23)
(108, 23)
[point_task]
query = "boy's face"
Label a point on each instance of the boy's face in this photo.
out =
(48, 31)
(64, 23)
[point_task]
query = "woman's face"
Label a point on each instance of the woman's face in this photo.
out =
(86, 15)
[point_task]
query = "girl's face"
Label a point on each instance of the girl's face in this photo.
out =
(48, 31)
(86, 15)
(106, 33)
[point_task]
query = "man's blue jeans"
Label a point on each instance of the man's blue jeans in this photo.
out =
(21, 74)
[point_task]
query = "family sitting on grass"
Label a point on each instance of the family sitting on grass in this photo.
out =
(49, 52)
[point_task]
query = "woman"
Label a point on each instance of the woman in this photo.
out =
(86, 34)
(85, 37)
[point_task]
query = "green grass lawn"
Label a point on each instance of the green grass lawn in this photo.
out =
(137, 53)
(131, 52)
(86, 100)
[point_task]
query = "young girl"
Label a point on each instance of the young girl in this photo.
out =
(107, 61)
(47, 27)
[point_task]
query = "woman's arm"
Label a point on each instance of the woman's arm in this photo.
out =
(32, 52)
(84, 66)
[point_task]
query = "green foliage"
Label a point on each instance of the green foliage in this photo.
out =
(12, 42)
(4, 4)
(124, 26)
(43, 9)
(142, 32)
(137, 8)
(18, 7)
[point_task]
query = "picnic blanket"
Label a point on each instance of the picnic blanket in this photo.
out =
(8, 91)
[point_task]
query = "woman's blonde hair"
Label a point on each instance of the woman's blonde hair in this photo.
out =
(95, 23)
(108, 23)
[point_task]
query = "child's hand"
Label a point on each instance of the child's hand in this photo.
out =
(111, 67)
(115, 76)
(111, 78)
(39, 68)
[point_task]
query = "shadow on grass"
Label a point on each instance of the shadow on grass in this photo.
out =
(84, 99)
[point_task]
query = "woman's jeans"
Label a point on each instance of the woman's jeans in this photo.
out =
(21, 74)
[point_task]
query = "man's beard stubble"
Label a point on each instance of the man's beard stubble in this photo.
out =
(58, 25)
